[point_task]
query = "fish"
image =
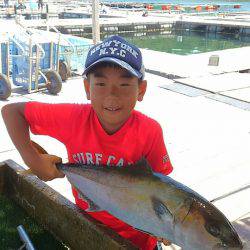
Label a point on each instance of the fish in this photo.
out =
(153, 203)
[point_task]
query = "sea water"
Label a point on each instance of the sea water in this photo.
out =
(184, 42)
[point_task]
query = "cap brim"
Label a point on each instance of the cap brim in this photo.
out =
(119, 62)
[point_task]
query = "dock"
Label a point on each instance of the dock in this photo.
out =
(132, 22)
(219, 24)
(201, 103)
(208, 142)
(83, 26)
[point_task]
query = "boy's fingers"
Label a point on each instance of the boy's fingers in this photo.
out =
(60, 174)
(53, 160)
(56, 159)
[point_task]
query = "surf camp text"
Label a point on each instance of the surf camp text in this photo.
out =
(97, 159)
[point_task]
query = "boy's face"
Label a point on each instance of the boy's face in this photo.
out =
(113, 93)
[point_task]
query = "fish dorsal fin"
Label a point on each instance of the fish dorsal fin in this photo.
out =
(141, 167)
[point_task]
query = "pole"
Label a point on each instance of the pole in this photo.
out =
(47, 17)
(30, 66)
(231, 193)
(95, 21)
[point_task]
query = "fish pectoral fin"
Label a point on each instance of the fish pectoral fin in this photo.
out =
(92, 206)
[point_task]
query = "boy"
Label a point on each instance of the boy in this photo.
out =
(108, 131)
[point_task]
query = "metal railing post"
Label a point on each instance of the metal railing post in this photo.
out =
(30, 65)
(51, 55)
(1, 66)
(37, 66)
(8, 59)
(25, 238)
(95, 21)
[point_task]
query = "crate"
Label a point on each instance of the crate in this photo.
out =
(214, 60)
(75, 55)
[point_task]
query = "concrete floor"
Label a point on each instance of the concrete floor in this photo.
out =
(208, 142)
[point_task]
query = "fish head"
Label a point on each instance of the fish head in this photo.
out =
(209, 227)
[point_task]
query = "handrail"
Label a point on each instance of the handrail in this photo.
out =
(58, 32)
(35, 43)
(41, 49)
(28, 33)
(18, 45)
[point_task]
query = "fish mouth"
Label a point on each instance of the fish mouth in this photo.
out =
(221, 246)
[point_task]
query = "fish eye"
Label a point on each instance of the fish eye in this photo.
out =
(213, 229)
(159, 208)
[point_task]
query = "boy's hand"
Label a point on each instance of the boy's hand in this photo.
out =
(164, 241)
(43, 166)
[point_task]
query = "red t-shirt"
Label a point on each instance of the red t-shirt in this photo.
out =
(78, 128)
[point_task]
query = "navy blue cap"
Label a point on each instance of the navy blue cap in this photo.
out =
(117, 50)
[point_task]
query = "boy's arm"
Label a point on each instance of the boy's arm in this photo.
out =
(18, 128)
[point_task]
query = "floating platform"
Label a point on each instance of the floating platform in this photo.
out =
(215, 25)
(133, 22)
